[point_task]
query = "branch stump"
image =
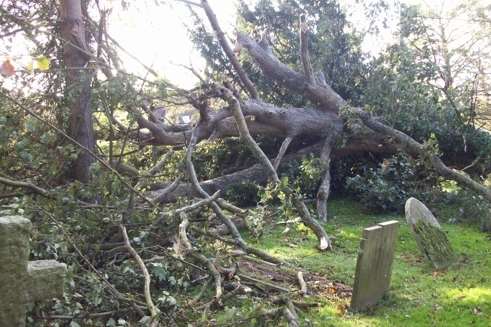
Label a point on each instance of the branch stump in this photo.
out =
(22, 281)
(432, 241)
(374, 265)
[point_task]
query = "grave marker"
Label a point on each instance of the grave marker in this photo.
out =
(374, 265)
(23, 281)
(432, 241)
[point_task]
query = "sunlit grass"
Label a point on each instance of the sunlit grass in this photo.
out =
(419, 296)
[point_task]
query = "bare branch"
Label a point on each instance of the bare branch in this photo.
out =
(282, 151)
(319, 231)
(244, 132)
(302, 283)
(324, 240)
(239, 241)
(411, 146)
(199, 204)
(228, 50)
(170, 188)
(184, 241)
(32, 187)
(325, 186)
(304, 51)
(154, 312)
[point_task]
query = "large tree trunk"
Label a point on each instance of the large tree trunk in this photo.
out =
(332, 116)
(78, 90)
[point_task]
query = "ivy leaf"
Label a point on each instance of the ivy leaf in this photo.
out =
(7, 69)
(43, 63)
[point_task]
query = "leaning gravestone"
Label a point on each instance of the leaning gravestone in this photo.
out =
(432, 241)
(374, 265)
(22, 281)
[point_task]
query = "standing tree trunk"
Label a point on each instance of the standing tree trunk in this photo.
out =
(78, 92)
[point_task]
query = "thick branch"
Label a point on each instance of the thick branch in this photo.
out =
(228, 50)
(411, 146)
(325, 187)
(277, 71)
(304, 51)
(282, 152)
(254, 147)
(255, 173)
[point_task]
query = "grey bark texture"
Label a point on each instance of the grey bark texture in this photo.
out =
(76, 55)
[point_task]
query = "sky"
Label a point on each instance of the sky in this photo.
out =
(156, 34)
(158, 37)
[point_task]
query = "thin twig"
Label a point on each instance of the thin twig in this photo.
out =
(31, 186)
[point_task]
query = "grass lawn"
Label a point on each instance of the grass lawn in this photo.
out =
(460, 296)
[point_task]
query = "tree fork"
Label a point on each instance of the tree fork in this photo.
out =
(324, 94)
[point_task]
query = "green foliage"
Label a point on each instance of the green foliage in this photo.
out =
(244, 194)
(304, 174)
(472, 207)
(387, 187)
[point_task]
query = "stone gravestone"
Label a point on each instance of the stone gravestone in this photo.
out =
(432, 241)
(22, 281)
(374, 265)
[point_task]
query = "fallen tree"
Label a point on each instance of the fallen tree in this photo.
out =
(328, 121)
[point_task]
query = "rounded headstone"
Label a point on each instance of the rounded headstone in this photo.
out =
(416, 211)
(432, 241)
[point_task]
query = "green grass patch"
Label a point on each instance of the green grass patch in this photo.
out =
(419, 296)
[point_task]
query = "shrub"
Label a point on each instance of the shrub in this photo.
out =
(244, 194)
(387, 187)
(472, 207)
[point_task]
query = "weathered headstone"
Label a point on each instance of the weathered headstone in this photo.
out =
(21, 281)
(374, 265)
(432, 241)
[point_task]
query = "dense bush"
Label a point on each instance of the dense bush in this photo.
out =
(472, 207)
(387, 187)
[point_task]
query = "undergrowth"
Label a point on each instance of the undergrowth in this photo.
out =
(419, 296)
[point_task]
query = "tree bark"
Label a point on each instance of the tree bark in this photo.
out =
(78, 89)
(331, 101)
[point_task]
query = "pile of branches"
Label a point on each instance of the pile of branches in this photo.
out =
(243, 113)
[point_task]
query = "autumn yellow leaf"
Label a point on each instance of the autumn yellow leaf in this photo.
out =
(42, 63)
(30, 66)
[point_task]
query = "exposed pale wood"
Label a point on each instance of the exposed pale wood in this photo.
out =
(154, 311)
(282, 152)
